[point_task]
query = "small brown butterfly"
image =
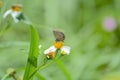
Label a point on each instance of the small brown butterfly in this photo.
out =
(59, 35)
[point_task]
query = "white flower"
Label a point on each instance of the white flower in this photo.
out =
(14, 14)
(65, 50)
(50, 49)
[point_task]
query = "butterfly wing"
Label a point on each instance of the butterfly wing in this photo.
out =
(59, 36)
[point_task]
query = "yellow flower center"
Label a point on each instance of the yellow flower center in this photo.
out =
(0, 3)
(58, 44)
(50, 55)
(16, 8)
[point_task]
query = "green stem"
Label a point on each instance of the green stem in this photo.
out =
(45, 64)
(40, 68)
(5, 28)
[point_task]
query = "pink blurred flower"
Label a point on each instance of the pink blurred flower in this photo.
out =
(109, 24)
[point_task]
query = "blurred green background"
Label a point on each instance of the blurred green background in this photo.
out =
(95, 53)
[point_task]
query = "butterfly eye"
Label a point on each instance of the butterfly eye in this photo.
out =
(59, 36)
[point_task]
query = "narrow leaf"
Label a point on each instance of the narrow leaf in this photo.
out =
(33, 54)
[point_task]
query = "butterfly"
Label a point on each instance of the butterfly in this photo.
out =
(59, 35)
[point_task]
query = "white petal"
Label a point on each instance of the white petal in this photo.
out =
(50, 49)
(65, 49)
(15, 14)
(7, 13)
(16, 20)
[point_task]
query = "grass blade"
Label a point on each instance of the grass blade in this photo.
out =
(33, 54)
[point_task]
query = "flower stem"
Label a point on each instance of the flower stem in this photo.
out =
(40, 68)
(45, 64)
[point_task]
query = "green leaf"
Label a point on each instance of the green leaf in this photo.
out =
(33, 54)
